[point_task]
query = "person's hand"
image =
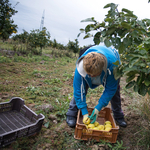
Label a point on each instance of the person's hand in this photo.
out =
(86, 119)
(94, 115)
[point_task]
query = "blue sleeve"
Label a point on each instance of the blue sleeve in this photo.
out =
(109, 91)
(79, 86)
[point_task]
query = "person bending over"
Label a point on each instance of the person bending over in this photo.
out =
(94, 67)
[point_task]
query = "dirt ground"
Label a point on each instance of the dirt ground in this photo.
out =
(62, 133)
(131, 134)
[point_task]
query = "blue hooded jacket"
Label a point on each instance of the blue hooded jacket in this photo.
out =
(82, 79)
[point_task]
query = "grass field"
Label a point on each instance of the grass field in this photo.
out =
(46, 84)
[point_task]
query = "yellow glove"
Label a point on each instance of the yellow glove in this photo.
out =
(86, 119)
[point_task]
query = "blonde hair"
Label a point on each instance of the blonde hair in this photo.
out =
(93, 63)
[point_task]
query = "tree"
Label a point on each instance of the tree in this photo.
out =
(7, 26)
(55, 44)
(21, 37)
(38, 38)
(73, 46)
(124, 31)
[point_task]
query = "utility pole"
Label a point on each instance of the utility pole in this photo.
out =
(42, 22)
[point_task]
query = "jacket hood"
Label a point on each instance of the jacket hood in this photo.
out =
(80, 68)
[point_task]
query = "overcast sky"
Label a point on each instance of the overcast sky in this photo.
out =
(62, 18)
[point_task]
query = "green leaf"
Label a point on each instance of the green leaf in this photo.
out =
(147, 21)
(82, 30)
(121, 48)
(131, 15)
(87, 36)
(107, 43)
(127, 11)
(143, 52)
(135, 33)
(98, 25)
(130, 84)
(108, 20)
(117, 73)
(127, 41)
(140, 78)
(117, 43)
(97, 38)
(142, 65)
(126, 25)
(46, 124)
(78, 34)
(142, 90)
(89, 27)
(108, 5)
(138, 55)
(110, 31)
(147, 82)
(89, 20)
(128, 79)
(116, 63)
(122, 32)
(138, 41)
(133, 62)
(136, 88)
(103, 32)
(132, 73)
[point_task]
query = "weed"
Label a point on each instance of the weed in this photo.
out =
(127, 91)
(52, 81)
(62, 106)
(118, 146)
(55, 80)
(145, 140)
(39, 74)
(145, 112)
(56, 89)
(35, 72)
(4, 59)
(31, 90)
(67, 75)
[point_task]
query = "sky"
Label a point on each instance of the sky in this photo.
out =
(62, 18)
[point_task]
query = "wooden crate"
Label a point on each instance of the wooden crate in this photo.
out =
(82, 133)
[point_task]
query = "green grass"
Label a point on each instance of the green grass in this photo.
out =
(7, 45)
(38, 80)
(46, 80)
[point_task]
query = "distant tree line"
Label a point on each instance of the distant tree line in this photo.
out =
(30, 42)
(39, 39)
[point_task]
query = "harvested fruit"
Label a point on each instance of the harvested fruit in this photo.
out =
(96, 123)
(107, 122)
(108, 125)
(100, 127)
(95, 128)
(91, 125)
(107, 129)
(86, 120)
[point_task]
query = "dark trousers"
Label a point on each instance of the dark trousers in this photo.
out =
(115, 101)
(115, 105)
